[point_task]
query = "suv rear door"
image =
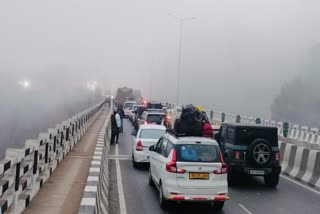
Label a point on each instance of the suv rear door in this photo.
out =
(199, 162)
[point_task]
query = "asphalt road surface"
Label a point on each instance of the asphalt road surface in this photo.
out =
(250, 196)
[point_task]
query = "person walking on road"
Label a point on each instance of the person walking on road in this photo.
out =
(114, 127)
(118, 121)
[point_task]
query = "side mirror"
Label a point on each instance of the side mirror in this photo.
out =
(134, 133)
(151, 148)
(217, 137)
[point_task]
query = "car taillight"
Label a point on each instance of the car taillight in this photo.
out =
(139, 146)
(145, 122)
(277, 156)
(224, 169)
(172, 165)
(237, 155)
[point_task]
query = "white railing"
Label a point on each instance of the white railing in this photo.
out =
(24, 171)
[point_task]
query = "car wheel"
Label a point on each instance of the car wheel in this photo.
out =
(218, 205)
(134, 163)
(260, 152)
(162, 200)
(271, 180)
(151, 183)
(231, 178)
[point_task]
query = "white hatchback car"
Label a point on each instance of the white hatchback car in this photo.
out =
(188, 169)
(146, 136)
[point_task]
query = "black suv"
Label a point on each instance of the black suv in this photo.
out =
(250, 150)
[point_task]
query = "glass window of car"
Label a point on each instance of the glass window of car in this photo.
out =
(163, 147)
(155, 118)
(128, 105)
(230, 134)
(198, 153)
(223, 133)
(151, 133)
(169, 148)
(158, 146)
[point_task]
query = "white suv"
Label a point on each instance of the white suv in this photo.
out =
(188, 169)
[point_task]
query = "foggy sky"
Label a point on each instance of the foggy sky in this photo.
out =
(235, 54)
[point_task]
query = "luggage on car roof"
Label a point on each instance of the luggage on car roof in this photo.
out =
(191, 121)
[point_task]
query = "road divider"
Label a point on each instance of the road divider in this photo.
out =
(301, 164)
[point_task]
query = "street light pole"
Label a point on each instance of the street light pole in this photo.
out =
(181, 20)
(179, 62)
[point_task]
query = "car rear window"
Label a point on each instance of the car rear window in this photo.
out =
(155, 118)
(151, 133)
(198, 153)
(128, 105)
(154, 105)
(246, 135)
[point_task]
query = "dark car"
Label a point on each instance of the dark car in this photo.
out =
(154, 105)
(250, 150)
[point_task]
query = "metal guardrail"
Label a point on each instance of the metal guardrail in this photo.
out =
(24, 171)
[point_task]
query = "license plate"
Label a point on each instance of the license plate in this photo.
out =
(199, 175)
(257, 172)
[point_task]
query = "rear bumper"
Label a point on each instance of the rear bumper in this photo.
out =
(198, 198)
(141, 157)
(247, 170)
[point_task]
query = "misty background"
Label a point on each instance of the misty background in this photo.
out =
(249, 57)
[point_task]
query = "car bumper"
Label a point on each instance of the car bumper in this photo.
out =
(141, 157)
(255, 171)
(198, 198)
(175, 193)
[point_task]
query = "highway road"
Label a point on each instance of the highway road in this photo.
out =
(250, 196)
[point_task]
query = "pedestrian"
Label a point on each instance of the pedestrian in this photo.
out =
(118, 121)
(114, 127)
(122, 115)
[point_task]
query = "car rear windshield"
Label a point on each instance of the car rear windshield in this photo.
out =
(154, 105)
(246, 135)
(198, 153)
(151, 133)
(128, 105)
(155, 118)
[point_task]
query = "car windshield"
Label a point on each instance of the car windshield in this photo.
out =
(155, 118)
(246, 135)
(198, 153)
(151, 133)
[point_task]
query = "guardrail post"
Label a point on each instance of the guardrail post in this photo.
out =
(18, 154)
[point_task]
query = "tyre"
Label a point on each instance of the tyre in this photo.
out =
(218, 205)
(271, 180)
(163, 202)
(151, 183)
(260, 152)
(134, 163)
(231, 177)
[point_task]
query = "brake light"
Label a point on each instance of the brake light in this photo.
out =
(145, 122)
(172, 165)
(224, 169)
(139, 146)
(277, 156)
(237, 155)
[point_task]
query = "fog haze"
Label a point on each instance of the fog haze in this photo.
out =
(236, 55)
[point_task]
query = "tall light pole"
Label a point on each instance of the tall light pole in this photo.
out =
(181, 21)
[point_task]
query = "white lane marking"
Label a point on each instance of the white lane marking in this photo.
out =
(245, 209)
(122, 201)
(300, 184)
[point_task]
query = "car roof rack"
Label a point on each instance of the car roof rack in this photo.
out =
(176, 134)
